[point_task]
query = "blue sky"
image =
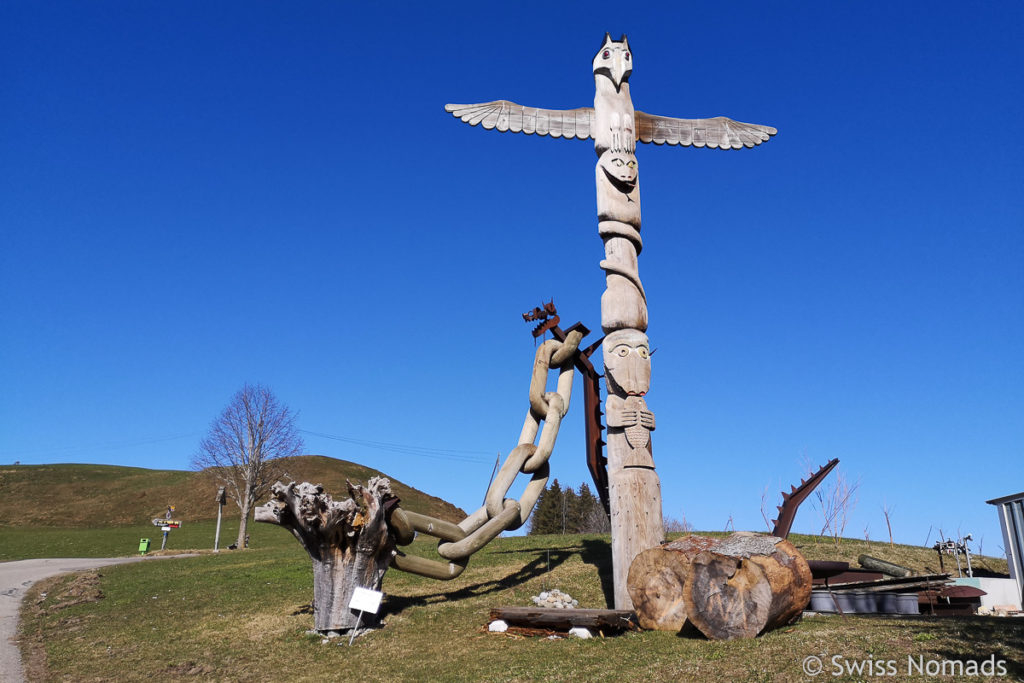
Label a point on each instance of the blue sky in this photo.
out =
(196, 195)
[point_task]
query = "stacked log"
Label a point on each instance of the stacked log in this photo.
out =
(732, 588)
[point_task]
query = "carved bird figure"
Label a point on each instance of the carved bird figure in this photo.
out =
(611, 124)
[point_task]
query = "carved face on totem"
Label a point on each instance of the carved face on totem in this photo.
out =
(614, 60)
(627, 362)
(620, 169)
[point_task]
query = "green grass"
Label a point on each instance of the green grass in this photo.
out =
(17, 543)
(243, 616)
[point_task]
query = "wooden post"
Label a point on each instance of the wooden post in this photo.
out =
(348, 542)
(221, 496)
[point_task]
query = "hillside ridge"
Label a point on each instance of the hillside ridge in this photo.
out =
(73, 495)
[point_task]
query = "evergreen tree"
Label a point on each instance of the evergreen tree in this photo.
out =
(564, 511)
(547, 516)
(593, 519)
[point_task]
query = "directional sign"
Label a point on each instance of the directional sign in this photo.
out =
(172, 523)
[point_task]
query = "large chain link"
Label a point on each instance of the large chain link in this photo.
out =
(498, 513)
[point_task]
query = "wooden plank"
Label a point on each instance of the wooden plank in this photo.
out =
(893, 583)
(564, 619)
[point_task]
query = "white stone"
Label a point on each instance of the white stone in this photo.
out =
(580, 632)
(498, 626)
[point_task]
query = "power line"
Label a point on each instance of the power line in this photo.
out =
(406, 449)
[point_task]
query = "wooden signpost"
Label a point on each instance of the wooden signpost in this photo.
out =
(615, 127)
(166, 525)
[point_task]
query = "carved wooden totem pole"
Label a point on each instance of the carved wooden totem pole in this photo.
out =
(634, 489)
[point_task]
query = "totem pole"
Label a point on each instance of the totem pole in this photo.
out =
(634, 489)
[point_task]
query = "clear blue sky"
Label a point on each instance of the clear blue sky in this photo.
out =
(195, 195)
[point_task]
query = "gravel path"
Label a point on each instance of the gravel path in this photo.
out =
(15, 579)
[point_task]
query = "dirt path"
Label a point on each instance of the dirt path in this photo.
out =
(15, 579)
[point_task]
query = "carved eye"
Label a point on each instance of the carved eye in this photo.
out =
(627, 56)
(643, 352)
(622, 351)
(606, 54)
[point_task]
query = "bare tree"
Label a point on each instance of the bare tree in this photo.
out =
(673, 525)
(836, 502)
(246, 445)
(887, 511)
(764, 507)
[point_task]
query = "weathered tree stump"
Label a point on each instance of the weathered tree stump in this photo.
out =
(347, 540)
(733, 588)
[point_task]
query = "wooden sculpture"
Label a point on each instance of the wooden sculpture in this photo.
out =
(634, 489)
(347, 540)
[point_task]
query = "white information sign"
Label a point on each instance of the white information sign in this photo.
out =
(365, 600)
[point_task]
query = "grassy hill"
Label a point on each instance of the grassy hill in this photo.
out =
(93, 496)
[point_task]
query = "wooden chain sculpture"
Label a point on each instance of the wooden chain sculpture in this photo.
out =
(498, 513)
(352, 542)
(634, 488)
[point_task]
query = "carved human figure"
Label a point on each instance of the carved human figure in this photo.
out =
(627, 365)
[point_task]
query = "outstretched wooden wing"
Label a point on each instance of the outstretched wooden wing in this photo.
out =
(509, 116)
(719, 132)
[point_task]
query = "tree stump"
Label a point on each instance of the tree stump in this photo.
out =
(347, 540)
(737, 587)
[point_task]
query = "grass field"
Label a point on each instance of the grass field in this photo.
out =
(241, 616)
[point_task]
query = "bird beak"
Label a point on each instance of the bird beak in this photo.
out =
(620, 69)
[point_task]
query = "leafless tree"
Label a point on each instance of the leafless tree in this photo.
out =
(246, 447)
(764, 507)
(835, 502)
(673, 525)
(887, 511)
(595, 520)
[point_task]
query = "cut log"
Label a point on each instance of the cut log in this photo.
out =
(726, 597)
(734, 588)
(656, 579)
(887, 568)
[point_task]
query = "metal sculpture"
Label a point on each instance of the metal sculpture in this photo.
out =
(633, 485)
(798, 494)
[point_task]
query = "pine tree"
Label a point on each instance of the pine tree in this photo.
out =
(564, 511)
(547, 516)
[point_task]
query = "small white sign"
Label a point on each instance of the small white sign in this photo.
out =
(365, 600)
